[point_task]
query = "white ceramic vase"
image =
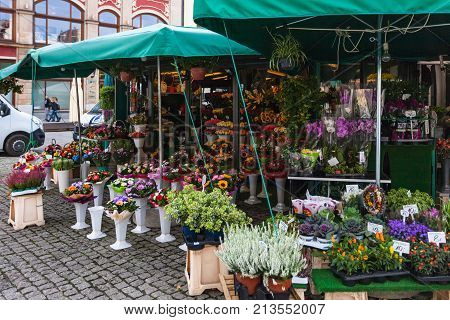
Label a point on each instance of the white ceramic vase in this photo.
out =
(165, 227)
(253, 181)
(111, 192)
(121, 234)
(84, 170)
(140, 127)
(80, 211)
(141, 215)
(96, 220)
(98, 193)
(63, 180)
(280, 207)
(48, 178)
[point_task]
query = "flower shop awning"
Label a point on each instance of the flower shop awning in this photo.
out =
(158, 40)
(415, 29)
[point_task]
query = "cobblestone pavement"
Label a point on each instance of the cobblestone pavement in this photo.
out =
(56, 262)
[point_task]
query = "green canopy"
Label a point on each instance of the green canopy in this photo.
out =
(415, 29)
(157, 40)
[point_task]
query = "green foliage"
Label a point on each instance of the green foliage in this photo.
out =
(445, 211)
(10, 84)
(107, 98)
(397, 198)
(395, 89)
(351, 213)
(286, 50)
(62, 164)
(289, 219)
(353, 227)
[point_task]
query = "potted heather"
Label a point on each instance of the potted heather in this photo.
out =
(120, 209)
(79, 193)
(139, 192)
(24, 182)
(98, 180)
(160, 200)
(139, 121)
(63, 166)
(307, 232)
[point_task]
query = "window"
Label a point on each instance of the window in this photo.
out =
(57, 21)
(58, 89)
(145, 20)
(108, 23)
(6, 19)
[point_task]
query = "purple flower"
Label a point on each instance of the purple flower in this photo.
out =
(401, 231)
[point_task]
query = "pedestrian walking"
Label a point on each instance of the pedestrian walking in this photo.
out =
(48, 109)
(54, 116)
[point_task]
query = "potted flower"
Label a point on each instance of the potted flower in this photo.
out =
(24, 182)
(139, 192)
(227, 182)
(287, 53)
(63, 167)
(120, 185)
(125, 171)
(120, 209)
(160, 200)
(98, 180)
(79, 193)
(324, 232)
(139, 121)
(101, 158)
(429, 261)
(122, 152)
(406, 231)
(107, 94)
(306, 232)
(353, 227)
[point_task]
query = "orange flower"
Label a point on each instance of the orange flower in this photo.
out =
(365, 258)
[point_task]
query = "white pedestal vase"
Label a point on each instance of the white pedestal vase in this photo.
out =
(121, 234)
(183, 247)
(141, 215)
(80, 211)
(165, 227)
(96, 220)
(63, 180)
(84, 170)
(165, 184)
(244, 188)
(98, 193)
(111, 192)
(280, 207)
(176, 186)
(139, 143)
(140, 127)
(253, 181)
(48, 178)
(262, 194)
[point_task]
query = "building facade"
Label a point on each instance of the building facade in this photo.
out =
(26, 24)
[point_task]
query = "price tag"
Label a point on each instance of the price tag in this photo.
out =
(352, 188)
(374, 228)
(411, 208)
(333, 162)
(48, 156)
(437, 237)
(401, 247)
(427, 126)
(362, 157)
(410, 113)
(283, 226)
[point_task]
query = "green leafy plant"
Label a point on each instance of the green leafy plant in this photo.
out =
(10, 84)
(107, 98)
(353, 227)
(351, 212)
(445, 220)
(62, 164)
(397, 198)
(287, 52)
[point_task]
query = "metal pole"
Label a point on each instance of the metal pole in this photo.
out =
(236, 124)
(160, 135)
(378, 127)
(80, 152)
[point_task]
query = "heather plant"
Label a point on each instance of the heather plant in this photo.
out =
(19, 180)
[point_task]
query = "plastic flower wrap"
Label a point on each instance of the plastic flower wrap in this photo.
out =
(81, 192)
(98, 177)
(158, 198)
(120, 208)
(119, 185)
(140, 189)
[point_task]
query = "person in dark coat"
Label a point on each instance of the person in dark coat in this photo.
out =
(47, 107)
(55, 108)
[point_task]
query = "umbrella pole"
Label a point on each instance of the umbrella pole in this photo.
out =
(378, 126)
(80, 153)
(161, 156)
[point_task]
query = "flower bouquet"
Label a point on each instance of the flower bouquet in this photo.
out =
(140, 191)
(98, 181)
(103, 132)
(122, 151)
(228, 182)
(141, 170)
(119, 130)
(120, 209)
(125, 171)
(101, 158)
(374, 200)
(79, 194)
(139, 121)
(121, 184)
(21, 182)
(195, 178)
(159, 200)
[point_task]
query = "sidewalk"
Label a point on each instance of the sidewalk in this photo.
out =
(63, 125)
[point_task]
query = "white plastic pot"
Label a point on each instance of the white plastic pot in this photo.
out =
(280, 207)
(84, 171)
(121, 234)
(165, 224)
(96, 219)
(48, 178)
(111, 192)
(63, 180)
(80, 211)
(253, 181)
(141, 215)
(98, 193)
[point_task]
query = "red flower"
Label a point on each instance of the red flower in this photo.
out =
(159, 197)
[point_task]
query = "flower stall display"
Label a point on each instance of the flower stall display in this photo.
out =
(80, 194)
(138, 121)
(139, 192)
(98, 180)
(122, 151)
(120, 185)
(374, 199)
(21, 182)
(63, 166)
(139, 140)
(96, 220)
(101, 158)
(220, 152)
(210, 131)
(159, 200)
(120, 209)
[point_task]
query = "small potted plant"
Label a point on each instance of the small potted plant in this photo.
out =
(287, 53)
(139, 192)
(353, 227)
(159, 200)
(101, 158)
(139, 121)
(120, 185)
(324, 232)
(306, 232)
(107, 102)
(98, 180)
(120, 209)
(79, 193)
(63, 167)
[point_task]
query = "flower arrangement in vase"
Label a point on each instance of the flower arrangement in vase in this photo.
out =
(120, 209)
(159, 200)
(121, 184)
(101, 158)
(98, 180)
(63, 167)
(123, 151)
(140, 191)
(139, 121)
(79, 193)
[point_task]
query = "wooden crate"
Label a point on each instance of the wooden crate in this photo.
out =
(317, 263)
(227, 282)
(26, 210)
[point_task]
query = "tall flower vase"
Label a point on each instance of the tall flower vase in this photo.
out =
(141, 215)
(253, 181)
(139, 143)
(165, 184)
(80, 210)
(244, 188)
(111, 192)
(446, 182)
(63, 180)
(96, 219)
(165, 227)
(280, 183)
(48, 178)
(98, 193)
(84, 171)
(121, 234)
(262, 194)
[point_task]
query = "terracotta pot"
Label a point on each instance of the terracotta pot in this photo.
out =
(198, 73)
(250, 283)
(279, 285)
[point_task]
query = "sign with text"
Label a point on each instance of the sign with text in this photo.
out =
(374, 228)
(401, 247)
(437, 237)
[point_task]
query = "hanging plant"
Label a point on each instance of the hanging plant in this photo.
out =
(107, 98)
(287, 53)
(10, 84)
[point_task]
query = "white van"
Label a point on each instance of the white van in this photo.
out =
(15, 129)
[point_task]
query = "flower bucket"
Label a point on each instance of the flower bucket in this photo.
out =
(96, 220)
(280, 207)
(165, 224)
(278, 285)
(140, 127)
(139, 142)
(262, 194)
(198, 73)
(48, 178)
(63, 180)
(84, 171)
(80, 211)
(251, 283)
(98, 193)
(253, 181)
(141, 215)
(121, 234)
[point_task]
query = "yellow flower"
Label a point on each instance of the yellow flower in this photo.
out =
(332, 237)
(227, 176)
(222, 184)
(391, 249)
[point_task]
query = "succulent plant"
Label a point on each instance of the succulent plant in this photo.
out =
(353, 227)
(306, 229)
